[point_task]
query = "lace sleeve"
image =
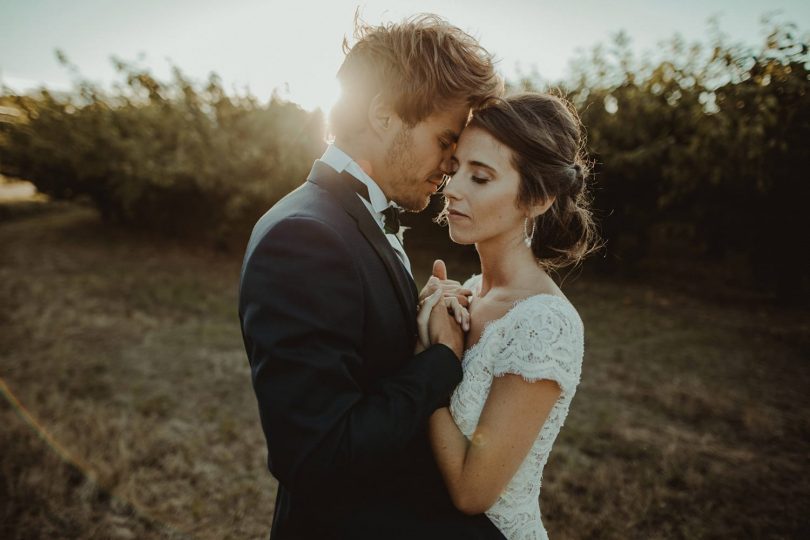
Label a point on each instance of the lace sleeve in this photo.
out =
(543, 339)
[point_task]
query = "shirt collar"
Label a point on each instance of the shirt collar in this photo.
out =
(341, 161)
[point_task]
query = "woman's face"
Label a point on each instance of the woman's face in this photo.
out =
(482, 193)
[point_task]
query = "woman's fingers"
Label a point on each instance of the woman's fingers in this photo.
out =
(439, 269)
(456, 300)
(430, 287)
(423, 317)
(427, 305)
(448, 288)
(454, 288)
(465, 320)
(463, 296)
(460, 313)
(431, 302)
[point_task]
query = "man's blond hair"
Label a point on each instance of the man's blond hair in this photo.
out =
(417, 66)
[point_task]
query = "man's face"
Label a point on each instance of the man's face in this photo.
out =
(418, 157)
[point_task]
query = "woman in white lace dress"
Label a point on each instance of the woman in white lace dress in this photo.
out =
(518, 193)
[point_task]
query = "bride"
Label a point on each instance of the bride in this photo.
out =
(517, 193)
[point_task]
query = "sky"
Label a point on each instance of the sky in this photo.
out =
(293, 47)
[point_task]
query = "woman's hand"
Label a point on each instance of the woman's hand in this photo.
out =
(428, 312)
(460, 313)
(423, 319)
(455, 299)
(450, 287)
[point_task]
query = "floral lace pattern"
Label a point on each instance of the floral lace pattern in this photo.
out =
(541, 337)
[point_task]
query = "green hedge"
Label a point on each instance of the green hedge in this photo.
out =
(700, 153)
(167, 156)
(703, 154)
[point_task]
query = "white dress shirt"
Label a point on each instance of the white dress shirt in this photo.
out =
(340, 161)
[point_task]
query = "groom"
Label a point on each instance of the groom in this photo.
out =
(327, 300)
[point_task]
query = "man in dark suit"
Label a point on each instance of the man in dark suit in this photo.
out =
(328, 305)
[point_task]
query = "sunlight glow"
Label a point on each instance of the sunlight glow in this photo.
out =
(293, 49)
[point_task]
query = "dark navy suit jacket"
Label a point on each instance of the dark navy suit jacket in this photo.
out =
(328, 317)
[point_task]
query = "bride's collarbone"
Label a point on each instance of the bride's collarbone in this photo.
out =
(482, 312)
(489, 308)
(494, 306)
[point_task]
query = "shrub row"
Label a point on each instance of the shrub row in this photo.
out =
(166, 156)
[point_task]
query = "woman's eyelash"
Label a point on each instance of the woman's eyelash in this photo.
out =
(479, 180)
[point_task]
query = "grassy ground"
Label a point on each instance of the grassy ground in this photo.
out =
(691, 420)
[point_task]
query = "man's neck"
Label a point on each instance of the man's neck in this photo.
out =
(355, 151)
(342, 161)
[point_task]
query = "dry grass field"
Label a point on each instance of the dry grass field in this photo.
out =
(127, 410)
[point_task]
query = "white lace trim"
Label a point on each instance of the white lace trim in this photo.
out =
(540, 337)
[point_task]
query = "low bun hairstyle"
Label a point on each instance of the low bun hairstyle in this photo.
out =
(546, 138)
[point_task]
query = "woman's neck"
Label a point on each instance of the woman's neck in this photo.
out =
(505, 262)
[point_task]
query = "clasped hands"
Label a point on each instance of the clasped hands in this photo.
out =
(443, 316)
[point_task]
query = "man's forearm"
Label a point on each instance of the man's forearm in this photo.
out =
(359, 432)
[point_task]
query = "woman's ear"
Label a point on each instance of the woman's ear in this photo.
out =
(541, 207)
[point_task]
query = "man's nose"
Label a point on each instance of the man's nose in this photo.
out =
(447, 159)
(447, 165)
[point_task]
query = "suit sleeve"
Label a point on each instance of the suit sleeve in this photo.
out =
(301, 308)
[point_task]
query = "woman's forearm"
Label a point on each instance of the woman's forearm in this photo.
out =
(476, 471)
(450, 450)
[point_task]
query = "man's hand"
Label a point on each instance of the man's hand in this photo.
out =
(436, 325)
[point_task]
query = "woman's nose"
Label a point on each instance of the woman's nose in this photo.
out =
(450, 190)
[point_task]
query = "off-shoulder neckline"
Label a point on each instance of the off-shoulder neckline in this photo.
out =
(512, 309)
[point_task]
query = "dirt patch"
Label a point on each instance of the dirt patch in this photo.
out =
(690, 422)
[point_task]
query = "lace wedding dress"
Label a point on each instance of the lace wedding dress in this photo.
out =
(541, 337)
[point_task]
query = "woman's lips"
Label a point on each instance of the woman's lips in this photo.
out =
(455, 214)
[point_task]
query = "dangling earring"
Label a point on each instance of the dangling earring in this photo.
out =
(528, 237)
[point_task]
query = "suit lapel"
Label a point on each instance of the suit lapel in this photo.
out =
(340, 185)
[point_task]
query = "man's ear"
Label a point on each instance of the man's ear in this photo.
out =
(541, 207)
(381, 117)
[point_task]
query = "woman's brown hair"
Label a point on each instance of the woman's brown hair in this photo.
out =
(546, 138)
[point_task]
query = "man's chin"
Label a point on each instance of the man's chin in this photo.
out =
(414, 204)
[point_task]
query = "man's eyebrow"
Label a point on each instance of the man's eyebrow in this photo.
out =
(450, 134)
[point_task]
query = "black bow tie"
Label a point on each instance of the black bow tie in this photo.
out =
(391, 219)
(390, 214)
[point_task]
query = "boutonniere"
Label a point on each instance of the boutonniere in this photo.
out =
(391, 223)
(401, 234)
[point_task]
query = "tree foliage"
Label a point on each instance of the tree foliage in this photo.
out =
(702, 153)
(164, 155)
